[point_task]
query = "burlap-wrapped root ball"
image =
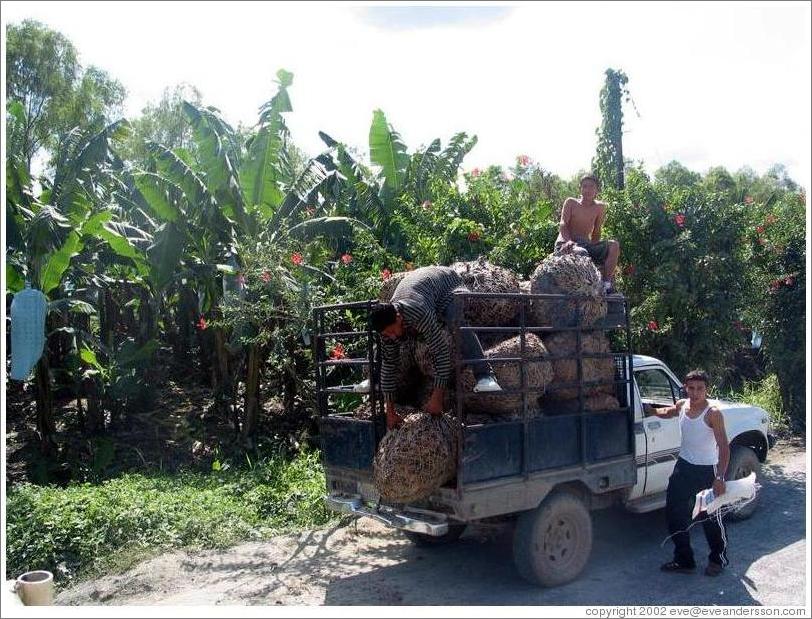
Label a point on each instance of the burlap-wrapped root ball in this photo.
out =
(566, 370)
(389, 285)
(599, 402)
(415, 459)
(539, 374)
(482, 276)
(567, 274)
(473, 419)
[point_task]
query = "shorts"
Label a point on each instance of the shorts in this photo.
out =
(597, 251)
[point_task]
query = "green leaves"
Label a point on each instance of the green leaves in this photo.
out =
(156, 193)
(57, 263)
(212, 136)
(166, 252)
(387, 151)
(14, 281)
(266, 167)
(326, 227)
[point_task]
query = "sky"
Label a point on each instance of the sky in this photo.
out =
(712, 83)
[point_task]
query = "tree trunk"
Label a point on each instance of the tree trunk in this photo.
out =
(94, 420)
(252, 400)
(222, 378)
(289, 385)
(46, 427)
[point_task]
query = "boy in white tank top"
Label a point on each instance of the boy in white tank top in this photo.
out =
(703, 458)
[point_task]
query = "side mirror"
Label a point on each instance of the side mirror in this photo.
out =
(682, 393)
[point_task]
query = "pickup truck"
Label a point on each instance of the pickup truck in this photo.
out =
(543, 473)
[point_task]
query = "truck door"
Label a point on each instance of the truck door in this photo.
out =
(656, 390)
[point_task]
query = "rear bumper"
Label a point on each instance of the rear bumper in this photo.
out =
(428, 523)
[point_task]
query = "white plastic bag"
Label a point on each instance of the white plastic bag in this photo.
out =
(735, 491)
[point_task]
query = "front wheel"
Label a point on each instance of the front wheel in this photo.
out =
(423, 539)
(552, 543)
(743, 461)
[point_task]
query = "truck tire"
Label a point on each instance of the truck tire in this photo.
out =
(552, 543)
(424, 540)
(743, 461)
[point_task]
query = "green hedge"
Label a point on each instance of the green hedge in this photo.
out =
(66, 530)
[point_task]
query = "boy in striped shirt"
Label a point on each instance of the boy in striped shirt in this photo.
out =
(422, 307)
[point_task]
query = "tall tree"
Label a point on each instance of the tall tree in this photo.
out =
(43, 73)
(608, 161)
(163, 122)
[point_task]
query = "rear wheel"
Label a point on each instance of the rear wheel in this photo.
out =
(552, 543)
(425, 540)
(743, 461)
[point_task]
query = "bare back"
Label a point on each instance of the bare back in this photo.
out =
(581, 221)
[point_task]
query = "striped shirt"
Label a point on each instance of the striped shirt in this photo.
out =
(421, 298)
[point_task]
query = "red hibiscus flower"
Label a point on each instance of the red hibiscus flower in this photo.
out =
(346, 258)
(759, 229)
(473, 236)
(338, 352)
(679, 218)
(296, 258)
(202, 324)
(386, 274)
(652, 325)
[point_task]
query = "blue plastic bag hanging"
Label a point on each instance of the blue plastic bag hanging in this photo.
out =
(28, 309)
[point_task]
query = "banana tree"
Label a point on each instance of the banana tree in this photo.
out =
(210, 200)
(401, 181)
(59, 229)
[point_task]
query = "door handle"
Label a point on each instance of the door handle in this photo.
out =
(654, 425)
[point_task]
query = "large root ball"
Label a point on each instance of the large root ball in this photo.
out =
(573, 275)
(538, 374)
(592, 369)
(482, 276)
(389, 285)
(415, 459)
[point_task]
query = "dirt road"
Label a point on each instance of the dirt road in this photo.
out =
(368, 564)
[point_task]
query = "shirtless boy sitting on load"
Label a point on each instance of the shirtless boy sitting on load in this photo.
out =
(580, 231)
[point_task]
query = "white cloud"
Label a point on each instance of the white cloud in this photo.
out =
(716, 84)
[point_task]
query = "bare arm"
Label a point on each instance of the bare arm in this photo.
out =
(671, 411)
(596, 229)
(564, 224)
(717, 423)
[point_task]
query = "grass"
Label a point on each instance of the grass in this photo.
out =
(767, 395)
(73, 531)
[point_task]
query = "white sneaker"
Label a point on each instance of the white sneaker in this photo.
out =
(362, 387)
(486, 384)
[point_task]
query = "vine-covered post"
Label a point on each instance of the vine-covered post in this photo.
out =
(608, 161)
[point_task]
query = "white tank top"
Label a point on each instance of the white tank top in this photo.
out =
(698, 442)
